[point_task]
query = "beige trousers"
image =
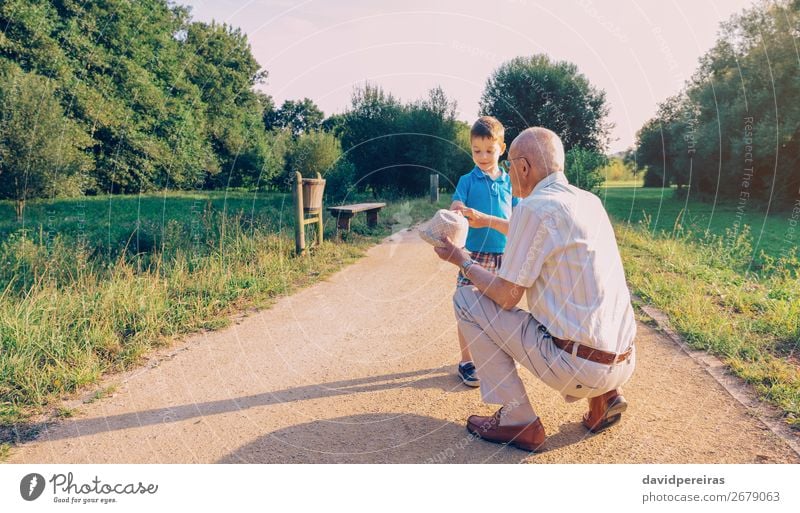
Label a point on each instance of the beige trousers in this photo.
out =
(498, 337)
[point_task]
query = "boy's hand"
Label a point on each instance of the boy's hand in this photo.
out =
(457, 206)
(449, 253)
(476, 218)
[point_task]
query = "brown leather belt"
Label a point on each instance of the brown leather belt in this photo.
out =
(591, 354)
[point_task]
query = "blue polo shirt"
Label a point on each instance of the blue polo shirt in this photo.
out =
(477, 190)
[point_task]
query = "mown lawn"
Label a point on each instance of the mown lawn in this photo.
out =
(727, 290)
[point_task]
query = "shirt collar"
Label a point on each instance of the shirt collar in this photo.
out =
(480, 174)
(550, 179)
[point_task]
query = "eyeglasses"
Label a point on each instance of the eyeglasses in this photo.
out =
(506, 164)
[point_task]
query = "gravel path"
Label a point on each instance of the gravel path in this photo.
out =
(360, 368)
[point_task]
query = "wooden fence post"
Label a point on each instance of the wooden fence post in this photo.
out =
(299, 225)
(319, 218)
(435, 188)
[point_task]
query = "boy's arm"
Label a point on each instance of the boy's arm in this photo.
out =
(461, 194)
(478, 219)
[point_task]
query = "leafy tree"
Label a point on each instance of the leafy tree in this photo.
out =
(166, 102)
(225, 72)
(735, 131)
(312, 153)
(298, 117)
(334, 124)
(536, 91)
(583, 168)
(369, 136)
(394, 147)
(431, 144)
(666, 144)
(41, 150)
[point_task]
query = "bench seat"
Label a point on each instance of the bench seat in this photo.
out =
(344, 213)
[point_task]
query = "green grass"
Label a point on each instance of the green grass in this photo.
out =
(668, 215)
(81, 296)
(701, 272)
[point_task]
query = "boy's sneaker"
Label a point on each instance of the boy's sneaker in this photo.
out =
(466, 372)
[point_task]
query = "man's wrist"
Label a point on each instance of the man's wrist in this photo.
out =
(465, 265)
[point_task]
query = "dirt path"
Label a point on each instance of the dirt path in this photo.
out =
(359, 368)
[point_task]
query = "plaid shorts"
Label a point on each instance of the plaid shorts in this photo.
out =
(489, 261)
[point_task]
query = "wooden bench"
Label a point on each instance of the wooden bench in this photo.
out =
(344, 213)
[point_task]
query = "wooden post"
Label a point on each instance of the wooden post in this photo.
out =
(435, 188)
(319, 218)
(299, 227)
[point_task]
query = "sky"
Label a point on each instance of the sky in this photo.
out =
(638, 52)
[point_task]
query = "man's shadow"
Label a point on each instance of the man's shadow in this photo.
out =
(396, 437)
(439, 377)
(373, 438)
(387, 438)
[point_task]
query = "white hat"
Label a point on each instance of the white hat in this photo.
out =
(445, 223)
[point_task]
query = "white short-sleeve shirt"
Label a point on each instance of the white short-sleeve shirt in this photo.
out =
(562, 249)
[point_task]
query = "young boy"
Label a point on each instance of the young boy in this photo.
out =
(484, 196)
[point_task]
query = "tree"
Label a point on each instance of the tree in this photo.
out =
(431, 144)
(395, 148)
(582, 167)
(166, 102)
(734, 132)
(369, 136)
(312, 153)
(41, 150)
(298, 117)
(536, 91)
(225, 71)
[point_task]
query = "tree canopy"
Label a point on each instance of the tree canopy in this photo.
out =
(163, 101)
(734, 131)
(537, 91)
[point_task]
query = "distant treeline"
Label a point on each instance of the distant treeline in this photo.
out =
(734, 131)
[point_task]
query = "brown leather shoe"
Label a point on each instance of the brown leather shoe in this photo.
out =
(529, 437)
(604, 411)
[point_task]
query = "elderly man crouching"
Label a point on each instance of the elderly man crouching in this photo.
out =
(578, 336)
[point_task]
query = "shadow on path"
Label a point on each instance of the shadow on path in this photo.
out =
(439, 377)
(387, 438)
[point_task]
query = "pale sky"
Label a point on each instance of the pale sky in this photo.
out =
(639, 52)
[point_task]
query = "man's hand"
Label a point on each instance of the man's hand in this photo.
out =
(450, 253)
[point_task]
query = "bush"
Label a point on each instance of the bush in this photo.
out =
(583, 168)
(340, 181)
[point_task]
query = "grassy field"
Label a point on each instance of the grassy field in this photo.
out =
(90, 285)
(666, 215)
(727, 290)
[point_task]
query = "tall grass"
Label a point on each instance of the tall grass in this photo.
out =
(706, 284)
(73, 308)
